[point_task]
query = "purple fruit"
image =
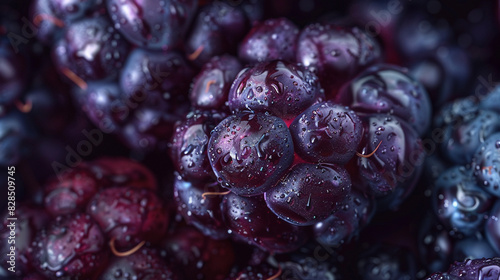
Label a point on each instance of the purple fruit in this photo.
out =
(189, 144)
(70, 191)
(463, 138)
(251, 220)
(486, 165)
(71, 247)
(105, 105)
(309, 193)
(249, 152)
(217, 29)
(335, 54)
(90, 49)
(199, 256)
(281, 88)
(129, 215)
(392, 155)
(479, 269)
(270, 40)
(459, 203)
(156, 76)
(211, 86)
(354, 213)
(389, 89)
(327, 132)
(152, 24)
(144, 264)
(30, 220)
(204, 213)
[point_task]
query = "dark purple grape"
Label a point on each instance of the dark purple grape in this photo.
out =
(270, 40)
(216, 31)
(91, 49)
(463, 138)
(155, 75)
(251, 220)
(203, 213)
(211, 86)
(70, 191)
(144, 264)
(485, 164)
(284, 89)
(199, 256)
(326, 132)
(458, 202)
(105, 105)
(189, 144)
(30, 220)
(309, 193)
(249, 152)
(71, 247)
(12, 74)
(335, 54)
(389, 89)
(479, 269)
(356, 211)
(396, 155)
(129, 215)
(152, 24)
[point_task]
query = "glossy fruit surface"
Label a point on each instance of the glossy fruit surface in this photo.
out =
(129, 215)
(389, 89)
(91, 49)
(249, 152)
(281, 88)
(251, 220)
(327, 133)
(270, 40)
(335, 54)
(309, 193)
(70, 247)
(152, 24)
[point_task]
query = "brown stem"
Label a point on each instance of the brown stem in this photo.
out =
(126, 253)
(370, 154)
(204, 195)
(73, 77)
(41, 17)
(196, 53)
